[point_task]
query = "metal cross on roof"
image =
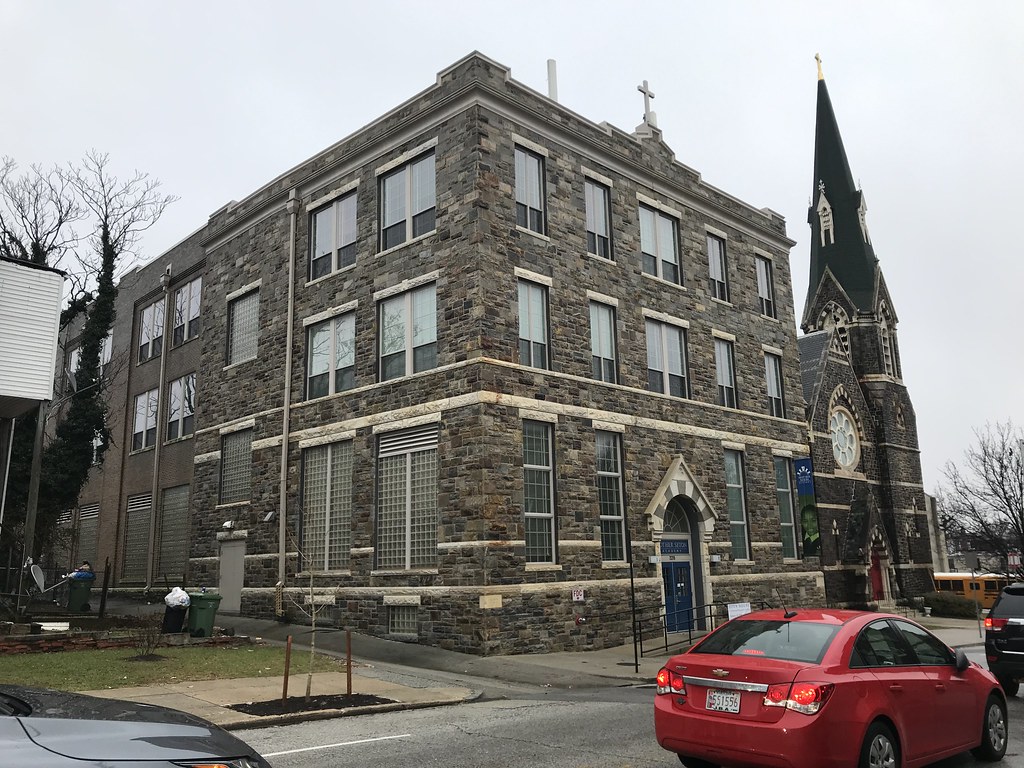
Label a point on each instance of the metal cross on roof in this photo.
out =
(648, 95)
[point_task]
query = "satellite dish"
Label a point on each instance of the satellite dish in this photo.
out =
(38, 577)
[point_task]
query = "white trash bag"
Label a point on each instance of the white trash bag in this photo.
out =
(177, 598)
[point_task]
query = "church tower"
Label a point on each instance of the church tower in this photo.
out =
(871, 502)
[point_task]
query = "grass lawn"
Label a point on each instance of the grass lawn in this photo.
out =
(114, 667)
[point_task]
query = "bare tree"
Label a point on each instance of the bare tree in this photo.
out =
(39, 210)
(312, 604)
(983, 497)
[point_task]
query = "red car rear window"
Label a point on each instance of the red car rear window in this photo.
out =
(790, 640)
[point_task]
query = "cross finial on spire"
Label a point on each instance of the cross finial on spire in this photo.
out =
(817, 58)
(821, 186)
(648, 95)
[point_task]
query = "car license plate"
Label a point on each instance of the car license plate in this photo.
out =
(723, 701)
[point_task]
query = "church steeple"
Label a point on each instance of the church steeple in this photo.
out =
(839, 236)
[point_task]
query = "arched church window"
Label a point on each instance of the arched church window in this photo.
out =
(833, 317)
(826, 227)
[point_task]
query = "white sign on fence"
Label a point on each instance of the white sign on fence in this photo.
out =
(738, 609)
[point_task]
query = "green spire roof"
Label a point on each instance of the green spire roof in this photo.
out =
(845, 250)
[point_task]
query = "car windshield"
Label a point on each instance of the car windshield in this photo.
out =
(790, 640)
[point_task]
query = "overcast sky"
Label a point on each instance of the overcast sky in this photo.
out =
(217, 98)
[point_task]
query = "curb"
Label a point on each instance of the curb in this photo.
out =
(329, 714)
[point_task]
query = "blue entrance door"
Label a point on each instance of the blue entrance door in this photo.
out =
(678, 596)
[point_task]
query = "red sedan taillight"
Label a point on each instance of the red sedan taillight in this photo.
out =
(806, 698)
(670, 682)
(996, 625)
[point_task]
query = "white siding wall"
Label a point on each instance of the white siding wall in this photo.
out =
(30, 301)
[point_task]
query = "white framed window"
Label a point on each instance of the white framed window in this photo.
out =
(602, 341)
(773, 381)
(98, 448)
(538, 492)
(737, 505)
(659, 245)
(327, 506)
(533, 324)
(784, 498)
(609, 494)
(243, 326)
(718, 280)
(407, 499)
(408, 332)
(765, 286)
(666, 359)
(599, 227)
(144, 429)
(187, 307)
(181, 407)
(333, 237)
(331, 357)
(151, 331)
(236, 466)
(725, 371)
(529, 190)
(408, 198)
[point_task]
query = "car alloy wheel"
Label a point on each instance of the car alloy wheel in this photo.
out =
(880, 749)
(993, 731)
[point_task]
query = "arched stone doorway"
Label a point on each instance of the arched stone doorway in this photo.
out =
(682, 522)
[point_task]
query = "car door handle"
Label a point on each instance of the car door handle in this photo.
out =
(895, 687)
(940, 687)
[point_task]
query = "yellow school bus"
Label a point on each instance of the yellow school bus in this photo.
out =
(984, 587)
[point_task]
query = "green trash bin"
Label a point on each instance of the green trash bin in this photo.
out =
(78, 595)
(202, 610)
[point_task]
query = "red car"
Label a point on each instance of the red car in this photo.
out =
(821, 688)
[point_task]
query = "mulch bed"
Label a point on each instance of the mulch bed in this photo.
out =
(314, 703)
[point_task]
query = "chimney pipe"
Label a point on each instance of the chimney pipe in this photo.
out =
(552, 81)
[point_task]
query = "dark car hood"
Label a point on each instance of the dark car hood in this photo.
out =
(90, 728)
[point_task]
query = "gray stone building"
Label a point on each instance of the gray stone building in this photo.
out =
(484, 370)
(875, 520)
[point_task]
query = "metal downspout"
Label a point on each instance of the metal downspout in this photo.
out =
(282, 528)
(161, 415)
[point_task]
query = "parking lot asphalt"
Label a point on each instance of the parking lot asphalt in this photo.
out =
(212, 699)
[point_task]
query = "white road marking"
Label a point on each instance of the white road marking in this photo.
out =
(339, 744)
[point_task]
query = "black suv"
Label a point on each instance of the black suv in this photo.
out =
(1004, 638)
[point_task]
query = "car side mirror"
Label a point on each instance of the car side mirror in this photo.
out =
(962, 662)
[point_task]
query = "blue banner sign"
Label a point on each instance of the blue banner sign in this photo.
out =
(675, 547)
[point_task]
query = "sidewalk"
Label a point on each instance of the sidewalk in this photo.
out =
(374, 671)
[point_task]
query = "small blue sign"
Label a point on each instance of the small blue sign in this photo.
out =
(804, 477)
(675, 547)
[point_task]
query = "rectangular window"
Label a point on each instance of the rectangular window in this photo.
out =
(243, 320)
(529, 190)
(659, 245)
(151, 331)
(181, 408)
(333, 237)
(773, 380)
(598, 219)
(236, 466)
(144, 429)
(726, 373)
(402, 619)
(666, 359)
(538, 492)
(187, 303)
(533, 324)
(327, 507)
(784, 495)
(407, 499)
(331, 360)
(718, 282)
(408, 199)
(172, 552)
(136, 538)
(408, 333)
(602, 341)
(736, 502)
(765, 286)
(609, 493)
(88, 517)
(106, 351)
